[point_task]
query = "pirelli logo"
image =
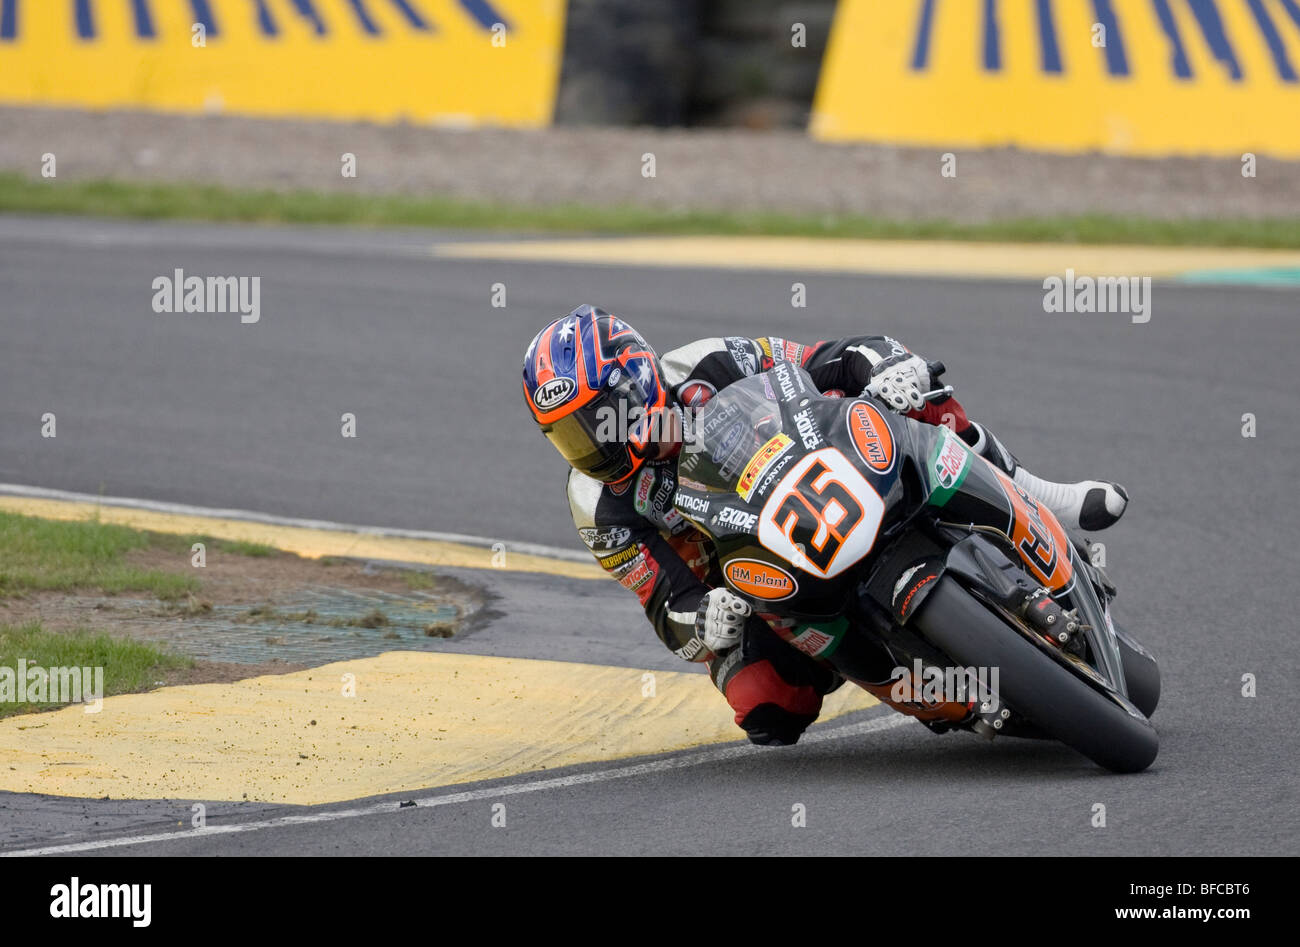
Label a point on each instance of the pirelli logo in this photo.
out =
(761, 460)
(1130, 76)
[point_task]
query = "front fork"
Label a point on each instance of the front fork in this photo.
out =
(903, 580)
(1078, 633)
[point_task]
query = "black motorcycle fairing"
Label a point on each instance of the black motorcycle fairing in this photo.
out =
(764, 482)
(748, 439)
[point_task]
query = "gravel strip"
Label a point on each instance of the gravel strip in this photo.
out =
(695, 169)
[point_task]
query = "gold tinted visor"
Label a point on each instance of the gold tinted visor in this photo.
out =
(575, 438)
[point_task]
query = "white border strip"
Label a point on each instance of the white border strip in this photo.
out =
(158, 506)
(734, 751)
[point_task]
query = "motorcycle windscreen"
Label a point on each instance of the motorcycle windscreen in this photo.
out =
(823, 515)
(735, 434)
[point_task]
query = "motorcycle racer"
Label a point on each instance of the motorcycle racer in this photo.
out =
(614, 411)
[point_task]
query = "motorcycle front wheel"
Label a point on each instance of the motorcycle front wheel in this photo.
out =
(1035, 685)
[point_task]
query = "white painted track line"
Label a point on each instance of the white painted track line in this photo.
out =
(719, 754)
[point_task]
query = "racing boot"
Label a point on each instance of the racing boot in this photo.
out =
(1086, 505)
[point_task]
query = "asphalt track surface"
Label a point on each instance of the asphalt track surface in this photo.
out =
(201, 409)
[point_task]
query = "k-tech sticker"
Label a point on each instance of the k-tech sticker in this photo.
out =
(872, 436)
(823, 516)
(760, 579)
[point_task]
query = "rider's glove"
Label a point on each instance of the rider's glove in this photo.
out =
(901, 381)
(720, 619)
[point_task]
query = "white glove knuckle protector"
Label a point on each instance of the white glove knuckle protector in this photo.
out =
(901, 382)
(720, 619)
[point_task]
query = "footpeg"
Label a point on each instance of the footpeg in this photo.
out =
(989, 722)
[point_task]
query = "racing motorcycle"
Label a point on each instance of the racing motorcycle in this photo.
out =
(889, 549)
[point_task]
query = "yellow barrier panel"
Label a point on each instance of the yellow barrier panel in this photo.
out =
(1145, 77)
(446, 61)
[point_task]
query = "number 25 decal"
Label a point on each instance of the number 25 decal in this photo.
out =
(818, 519)
(823, 516)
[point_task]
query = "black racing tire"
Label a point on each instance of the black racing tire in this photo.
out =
(1141, 676)
(1033, 683)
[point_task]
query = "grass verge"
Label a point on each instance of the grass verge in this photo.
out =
(128, 666)
(57, 555)
(53, 555)
(162, 201)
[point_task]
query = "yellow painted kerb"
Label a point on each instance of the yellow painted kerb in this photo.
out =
(313, 543)
(887, 257)
(417, 721)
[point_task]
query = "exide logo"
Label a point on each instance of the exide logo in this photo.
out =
(555, 392)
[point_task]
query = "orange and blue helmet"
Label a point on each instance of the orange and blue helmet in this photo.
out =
(594, 388)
